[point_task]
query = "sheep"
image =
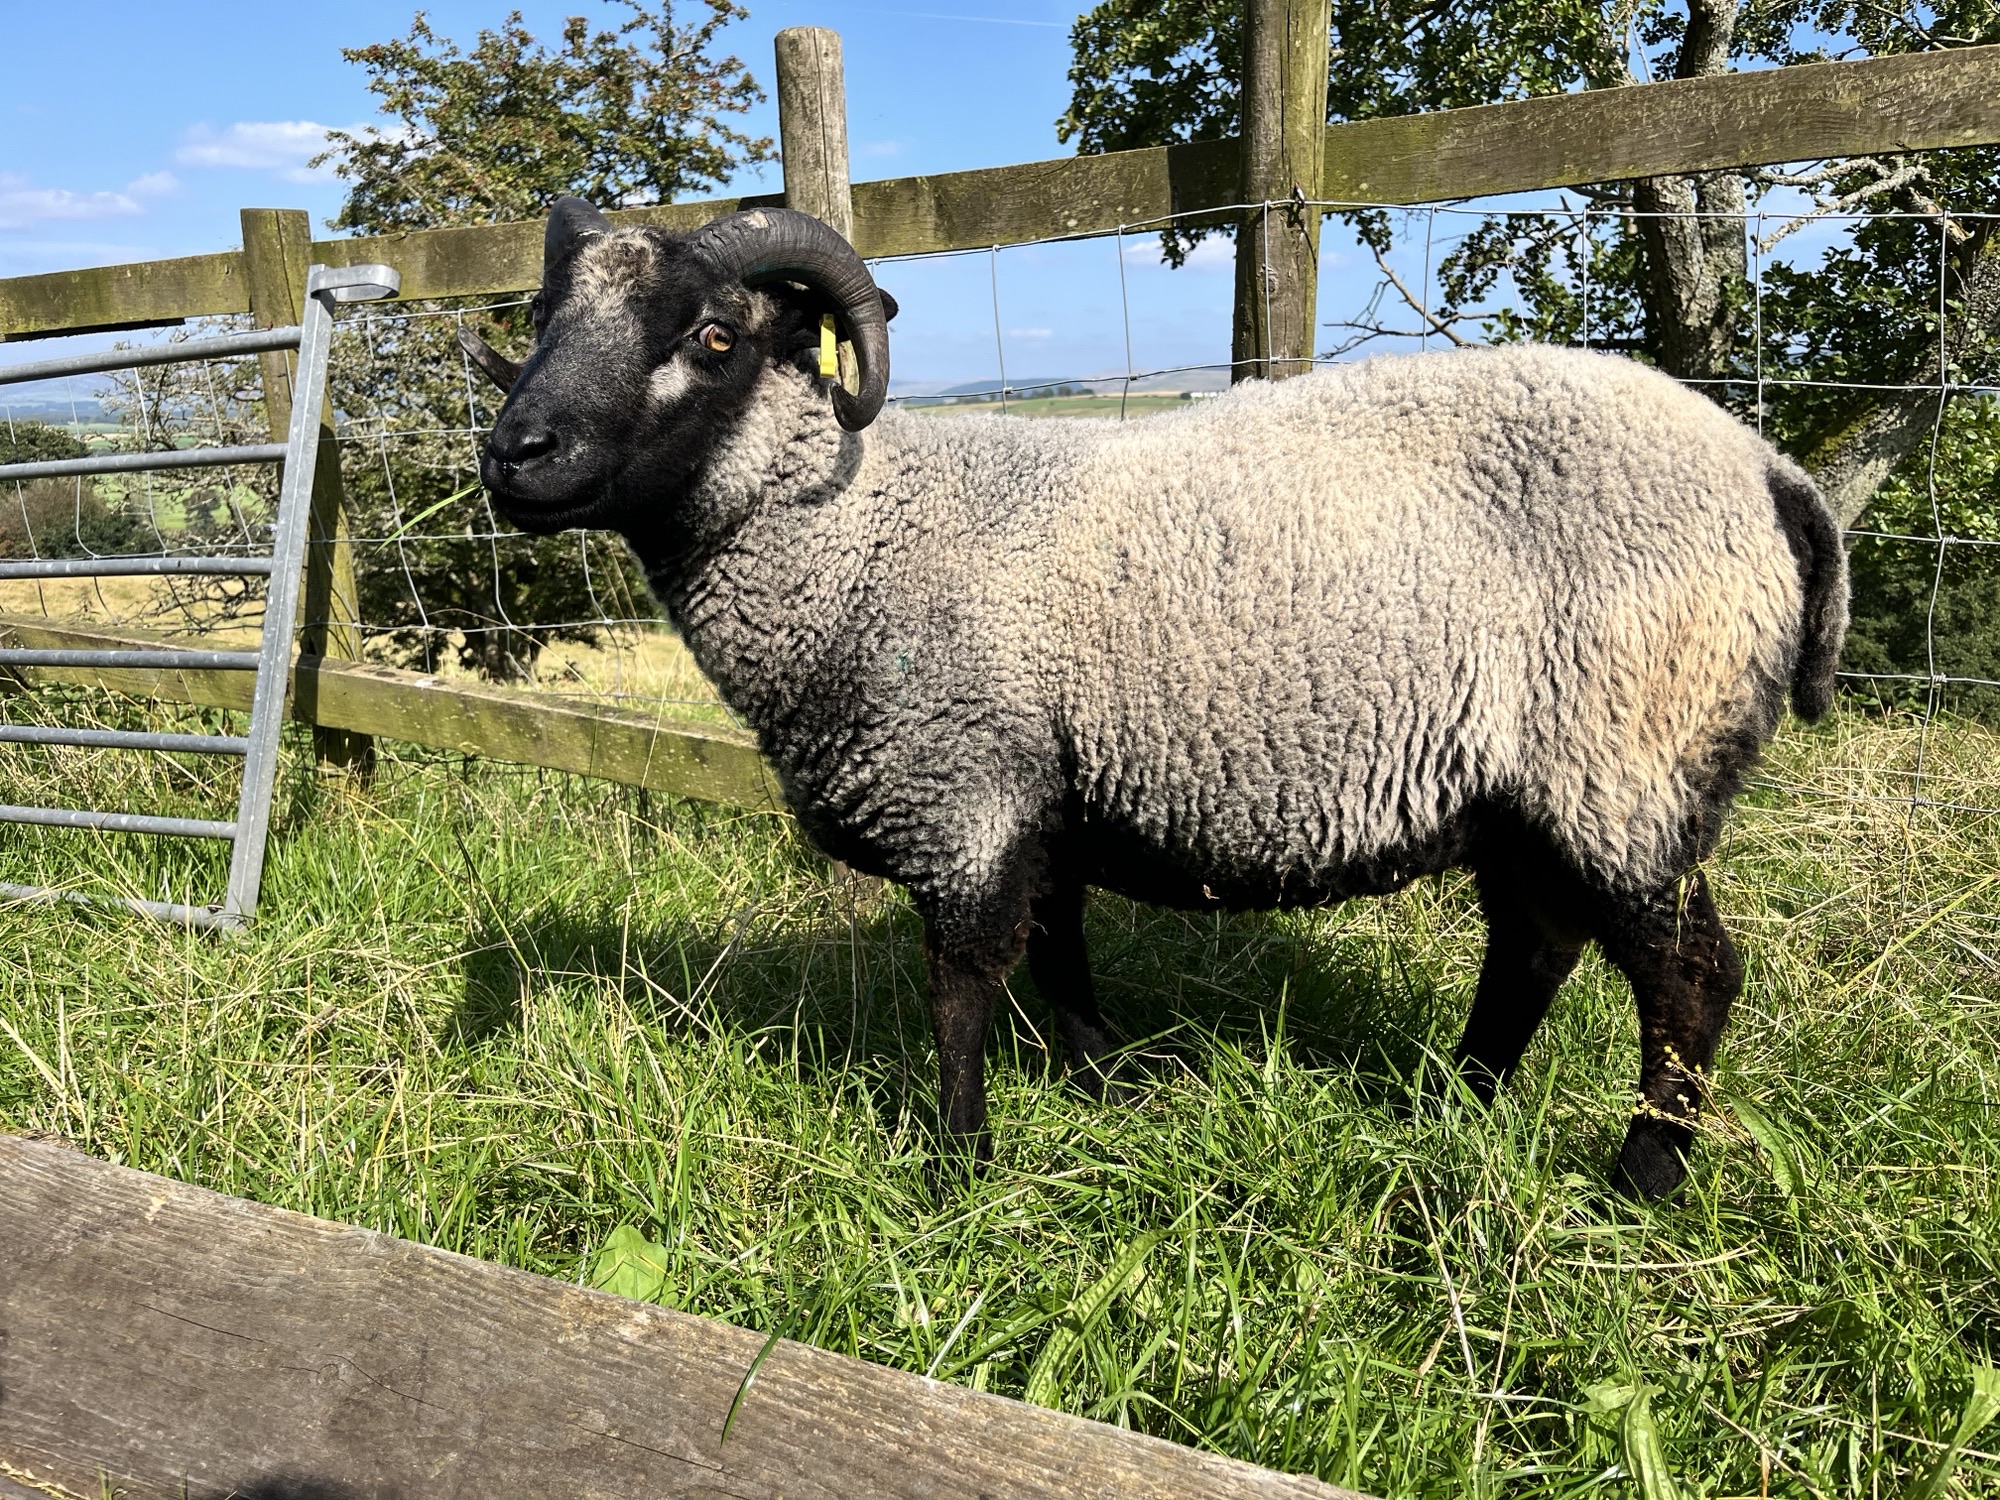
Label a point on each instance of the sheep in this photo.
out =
(1527, 611)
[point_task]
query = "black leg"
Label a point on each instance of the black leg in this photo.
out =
(969, 951)
(1684, 973)
(1526, 963)
(1060, 966)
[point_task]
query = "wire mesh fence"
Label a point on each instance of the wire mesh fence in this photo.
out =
(445, 587)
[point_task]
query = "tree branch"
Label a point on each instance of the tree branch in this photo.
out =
(1439, 325)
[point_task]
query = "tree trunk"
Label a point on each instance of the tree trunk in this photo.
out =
(505, 656)
(1696, 266)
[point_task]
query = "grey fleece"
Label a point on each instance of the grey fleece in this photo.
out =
(1294, 628)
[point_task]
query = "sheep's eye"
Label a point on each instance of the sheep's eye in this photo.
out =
(717, 338)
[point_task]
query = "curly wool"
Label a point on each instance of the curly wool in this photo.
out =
(1287, 634)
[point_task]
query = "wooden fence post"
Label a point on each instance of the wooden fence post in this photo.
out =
(1284, 139)
(812, 137)
(277, 246)
(812, 126)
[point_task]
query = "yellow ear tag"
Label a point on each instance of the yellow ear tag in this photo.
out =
(829, 349)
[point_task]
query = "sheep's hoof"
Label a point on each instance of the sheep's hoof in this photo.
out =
(1653, 1162)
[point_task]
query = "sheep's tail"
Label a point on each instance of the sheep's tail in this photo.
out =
(1815, 540)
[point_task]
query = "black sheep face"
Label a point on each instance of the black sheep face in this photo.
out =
(645, 356)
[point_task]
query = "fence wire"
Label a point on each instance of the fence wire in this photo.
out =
(445, 586)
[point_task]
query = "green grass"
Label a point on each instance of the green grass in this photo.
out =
(510, 1013)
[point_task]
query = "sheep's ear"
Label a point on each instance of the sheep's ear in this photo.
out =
(889, 308)
(499, 369)
(571, 220)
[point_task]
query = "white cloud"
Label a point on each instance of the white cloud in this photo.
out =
(1215, 253)
(23, 204)
(1031, 333)
(280, 146)
(881, 148)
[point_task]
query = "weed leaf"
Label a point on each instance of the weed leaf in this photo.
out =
(1083, 1314)
(1630, 1406)
(1645, 1456)
(630, 1265)
(1982, 1405)
(1607, 1397)
(1779, 1150)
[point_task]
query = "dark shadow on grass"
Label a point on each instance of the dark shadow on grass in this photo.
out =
(843, 992)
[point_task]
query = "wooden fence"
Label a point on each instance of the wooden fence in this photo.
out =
(165, 1341)
(1915, 102)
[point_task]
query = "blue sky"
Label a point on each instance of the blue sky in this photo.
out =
(143, 136)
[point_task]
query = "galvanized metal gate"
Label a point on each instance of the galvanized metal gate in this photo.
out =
(271, 661)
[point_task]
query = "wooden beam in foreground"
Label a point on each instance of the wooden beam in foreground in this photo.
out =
(1915, 102)
(709, 762)
(181, 1343)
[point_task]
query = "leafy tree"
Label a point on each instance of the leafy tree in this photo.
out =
(626, 115)
(621, 117)
(1674, 290)
(53, 517)
(32, 442)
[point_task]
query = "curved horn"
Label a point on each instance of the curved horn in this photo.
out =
(499, 369)
(570, 220)
(780, 244)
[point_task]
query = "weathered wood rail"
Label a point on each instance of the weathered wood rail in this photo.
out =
(174, 1342)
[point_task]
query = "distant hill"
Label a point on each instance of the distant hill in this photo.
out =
(57, 411)
(919, 392)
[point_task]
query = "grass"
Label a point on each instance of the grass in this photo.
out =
(554, 1023)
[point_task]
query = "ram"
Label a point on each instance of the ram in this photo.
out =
(1528, 611)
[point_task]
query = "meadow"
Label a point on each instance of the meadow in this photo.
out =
(665, 1048)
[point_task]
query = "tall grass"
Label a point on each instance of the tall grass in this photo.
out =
(555, 1023)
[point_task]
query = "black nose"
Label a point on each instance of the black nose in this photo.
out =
(518, 444)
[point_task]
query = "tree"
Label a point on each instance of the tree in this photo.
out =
(624, 116)
(1667, 279)
(53, 517)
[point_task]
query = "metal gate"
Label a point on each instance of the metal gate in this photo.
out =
(272, 660)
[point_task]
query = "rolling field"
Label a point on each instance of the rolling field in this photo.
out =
(528, 1017)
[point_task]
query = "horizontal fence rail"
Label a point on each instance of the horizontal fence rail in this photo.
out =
(223, 346)
(135, 567)
(144, 463)
(119, 822)
(123, 739)
(1914, 102)
(139, 656)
